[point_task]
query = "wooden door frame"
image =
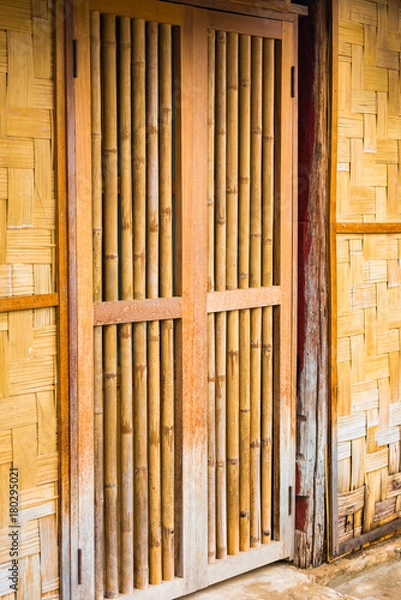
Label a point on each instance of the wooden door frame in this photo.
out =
(193, 190)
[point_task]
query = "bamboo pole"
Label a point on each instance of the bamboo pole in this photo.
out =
(211, 318)
(220, 284)
(255, 281)
(141, 496)
(155, 535)
(125, 331)
(244, 319)
(96, 114)
(233, 506)
(166, 289)
(109, 71)
(267, 280)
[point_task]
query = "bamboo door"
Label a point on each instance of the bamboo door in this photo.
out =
(185, 414)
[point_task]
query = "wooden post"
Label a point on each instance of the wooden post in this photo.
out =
(314, 345)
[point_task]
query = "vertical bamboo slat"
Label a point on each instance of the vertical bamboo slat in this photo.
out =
(166, 290)
(125, 337)
(155, 536)
(211, 318)
(232, 317)
(97, 297)
(109, 70)
(244, 318)
(220, 284)
(141, 566)
(255, 281)
(267, 280)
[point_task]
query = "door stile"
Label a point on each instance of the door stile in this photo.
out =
(194, 143)
(284, 315)
(80, 301)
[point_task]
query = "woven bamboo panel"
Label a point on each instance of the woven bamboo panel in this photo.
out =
(28, 339)
(369, 382)
(369, 111)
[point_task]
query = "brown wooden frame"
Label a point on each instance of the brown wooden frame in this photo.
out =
(192, 307)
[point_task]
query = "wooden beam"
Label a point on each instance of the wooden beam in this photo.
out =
(268, 9)
(28, 302)
(370, 536)
(368, 228)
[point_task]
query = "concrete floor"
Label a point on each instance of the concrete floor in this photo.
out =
(370, 574)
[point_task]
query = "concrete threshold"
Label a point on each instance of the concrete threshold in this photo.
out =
(373, 573)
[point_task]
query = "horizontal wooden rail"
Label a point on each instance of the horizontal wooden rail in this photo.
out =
(136, 311)
(370, 536)
(368, 228)
(250, 8)
(243, 298)
(28, 302)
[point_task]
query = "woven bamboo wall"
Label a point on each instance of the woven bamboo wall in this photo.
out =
(369, 266)
(28, 413)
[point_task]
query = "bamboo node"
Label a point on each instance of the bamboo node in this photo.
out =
(266, 533)
(255, 444)
(267, 348)
(233, 461)
(232, 189)
(257, 130)
(246, 82)
(256, 236)
(243, 276)
(153, 227)
(110, 486)
(244, 179)
(126, 428)
(108, 151)
(244, 514)
(108, 376)
(244, 411)
(167, 211)
(233, 353)
(111, 256)
(255, 345)
(220, 464)
(139, 470)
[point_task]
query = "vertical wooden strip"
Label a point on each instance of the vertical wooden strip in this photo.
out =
(220, 285)
(232, 317)
(255, 281)
(211, 318)
(63, 345)
(110, 265)
(267, 280)
(166, 290)
(125, 331)
(141, 496)
(155, 536)
(97, 297)
(244, 317)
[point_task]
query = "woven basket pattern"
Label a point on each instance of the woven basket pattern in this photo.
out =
(28, 347)
(369, 266)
